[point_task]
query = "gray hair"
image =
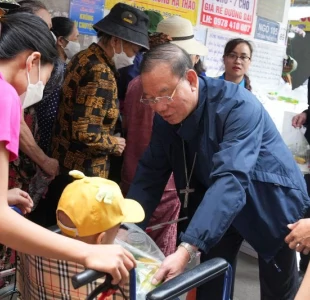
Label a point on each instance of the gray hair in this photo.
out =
(177, 58)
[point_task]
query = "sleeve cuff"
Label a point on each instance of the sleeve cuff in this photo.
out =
(194, 241)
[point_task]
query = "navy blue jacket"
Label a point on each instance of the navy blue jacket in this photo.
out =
(244, 174)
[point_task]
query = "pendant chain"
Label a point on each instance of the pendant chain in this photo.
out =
(188, 179)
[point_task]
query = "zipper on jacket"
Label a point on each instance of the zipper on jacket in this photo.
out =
(276, 266)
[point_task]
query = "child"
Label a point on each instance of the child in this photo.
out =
(91, 210)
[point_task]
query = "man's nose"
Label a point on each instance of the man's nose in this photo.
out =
(159, 107)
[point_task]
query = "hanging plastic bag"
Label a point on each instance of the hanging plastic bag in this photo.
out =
(147, 255)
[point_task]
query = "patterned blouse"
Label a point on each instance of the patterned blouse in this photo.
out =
(88, 110)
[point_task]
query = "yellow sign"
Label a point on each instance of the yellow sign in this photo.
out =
(303, 24)
(184, 8)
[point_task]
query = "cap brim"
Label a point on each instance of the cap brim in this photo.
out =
(192, 47)
(9, 5)
(133, 211)
(121, 32)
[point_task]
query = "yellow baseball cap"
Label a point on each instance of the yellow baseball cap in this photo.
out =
(94, 205)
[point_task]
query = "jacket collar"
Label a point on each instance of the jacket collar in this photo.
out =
(189, 128)
(101, 53)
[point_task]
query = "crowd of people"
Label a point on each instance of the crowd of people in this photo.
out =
(192, 147)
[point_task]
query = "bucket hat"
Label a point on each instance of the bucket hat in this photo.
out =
(8, 4)
(127, 23)
(154, 17)
(182, 34)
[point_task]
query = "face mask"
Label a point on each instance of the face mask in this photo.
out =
(72, 48)
(121, 60)
(34, 92)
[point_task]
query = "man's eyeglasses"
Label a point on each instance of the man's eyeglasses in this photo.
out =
(162, 99)
(234, 57)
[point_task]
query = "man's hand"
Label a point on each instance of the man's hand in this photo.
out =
(121, 144)
(299, 238)
(299, 120)
(172, 266)
(50, 166)
(112, 259)
(20, 199)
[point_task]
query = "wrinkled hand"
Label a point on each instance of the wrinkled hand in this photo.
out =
(21, 199)
(172, 266)
(120, 146)
(112, 259)
(50, 167)
(299, 237)
(299, 120)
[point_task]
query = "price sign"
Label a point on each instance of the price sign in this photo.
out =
(232, 15)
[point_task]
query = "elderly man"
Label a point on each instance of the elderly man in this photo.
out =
(234, 175)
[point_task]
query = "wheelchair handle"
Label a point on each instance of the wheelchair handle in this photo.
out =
(85, 277)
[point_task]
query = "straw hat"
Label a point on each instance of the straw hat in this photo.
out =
(182, 33)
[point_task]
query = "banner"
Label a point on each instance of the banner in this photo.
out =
(303, 24)
(232, 15)
(89, 2)
(267, 30)
(86, 15)
(184, 8)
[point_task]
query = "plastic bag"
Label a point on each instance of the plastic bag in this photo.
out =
(148, 257)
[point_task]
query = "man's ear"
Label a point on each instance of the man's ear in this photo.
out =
(101, 239)
(192, 77)
(33, 59)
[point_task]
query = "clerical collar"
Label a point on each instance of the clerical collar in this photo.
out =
(190, 126)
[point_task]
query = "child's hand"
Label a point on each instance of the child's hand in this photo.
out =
(20, 199)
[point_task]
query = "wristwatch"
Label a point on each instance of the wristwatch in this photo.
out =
(190, 249)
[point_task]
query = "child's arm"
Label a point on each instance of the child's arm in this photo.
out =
(22, 235)
(304, 290)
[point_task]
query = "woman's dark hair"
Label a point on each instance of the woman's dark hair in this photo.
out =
(29, 6)
(104, 37)
(199, 67)
(23, 31)
(62, 26)
(230, 46)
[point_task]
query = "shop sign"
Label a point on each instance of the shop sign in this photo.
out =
(232, 15)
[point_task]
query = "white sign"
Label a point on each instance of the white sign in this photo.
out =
(271, 9)
(266, 64)
(216, 41)
(232, 15)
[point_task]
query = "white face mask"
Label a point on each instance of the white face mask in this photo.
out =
(34, 92)
(72, 48)
(121, 60)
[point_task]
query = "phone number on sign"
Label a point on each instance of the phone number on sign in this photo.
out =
(232, 25)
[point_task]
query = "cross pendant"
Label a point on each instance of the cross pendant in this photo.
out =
(186, 191)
